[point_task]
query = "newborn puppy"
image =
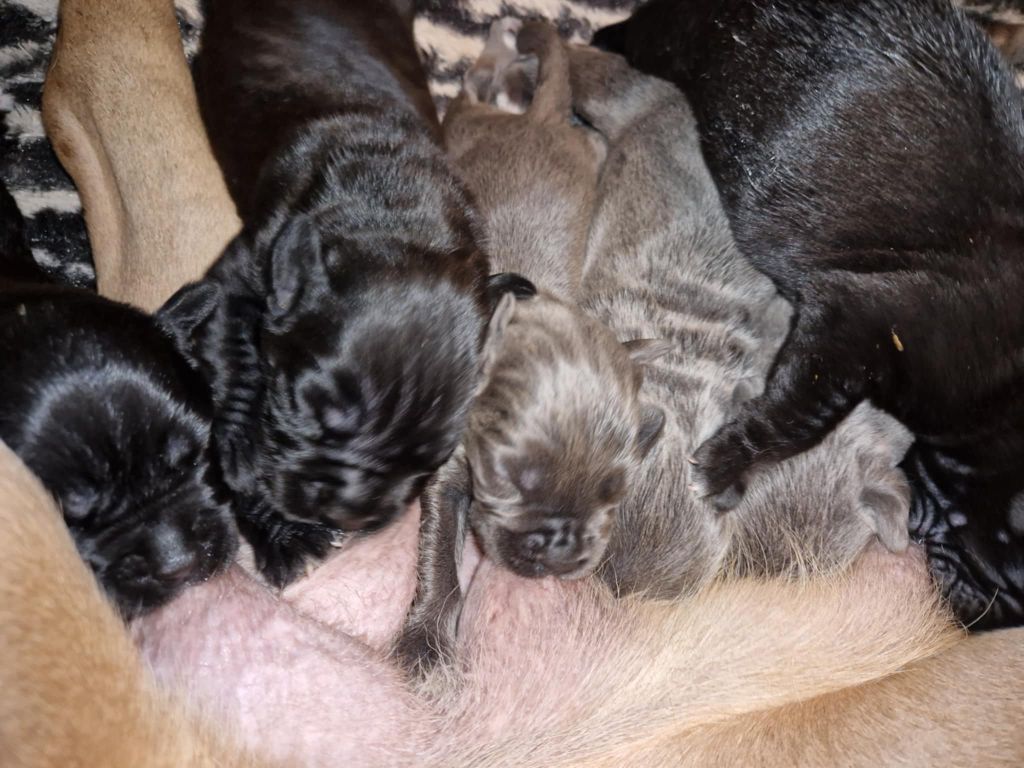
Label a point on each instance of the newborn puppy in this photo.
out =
(532, 173)
(96, 400)
(557, 429)
(344, 354)
(663, 263)
(878, 181)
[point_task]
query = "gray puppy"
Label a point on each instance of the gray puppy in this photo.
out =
(557, 429)
(533, 171)
(661, 262)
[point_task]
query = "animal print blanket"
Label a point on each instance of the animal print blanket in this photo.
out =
(450, 34)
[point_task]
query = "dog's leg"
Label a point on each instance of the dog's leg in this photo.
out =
(429, 633)
(810, 389)
(121, 112)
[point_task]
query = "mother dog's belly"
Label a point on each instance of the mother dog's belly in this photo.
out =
(366, 588)
(306, 677)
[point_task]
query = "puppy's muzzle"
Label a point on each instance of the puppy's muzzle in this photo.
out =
(557, 548)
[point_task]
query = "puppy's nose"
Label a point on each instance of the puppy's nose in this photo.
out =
(556, 546)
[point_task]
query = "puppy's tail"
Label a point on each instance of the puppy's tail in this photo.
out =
(16, 260)
(611, 95)
(553, 96)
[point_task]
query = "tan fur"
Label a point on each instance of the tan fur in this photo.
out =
(961, 708)
(121, 113)
(606, 677)
(73, 690)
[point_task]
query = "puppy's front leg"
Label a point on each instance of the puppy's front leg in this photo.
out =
(429, 633)
(811, 388)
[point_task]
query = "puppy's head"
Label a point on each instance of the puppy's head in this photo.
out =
(554, 436)
(127, 460)
(368, 380)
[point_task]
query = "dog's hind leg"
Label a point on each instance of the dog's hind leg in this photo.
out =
(121, 112)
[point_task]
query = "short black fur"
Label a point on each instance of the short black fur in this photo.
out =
(345, 353)
(870, 155)
(100, 405)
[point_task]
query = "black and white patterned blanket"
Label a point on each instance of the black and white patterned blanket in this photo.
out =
(450, 34)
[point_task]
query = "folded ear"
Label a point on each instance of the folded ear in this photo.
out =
(297, 269)
(187, 311)
(652, 424)
(501, 283)
(496, 328)
(645, 351)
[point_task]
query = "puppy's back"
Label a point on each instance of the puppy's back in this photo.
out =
(270, 66)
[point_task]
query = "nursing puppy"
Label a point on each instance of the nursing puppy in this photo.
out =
(557, 429)
(99, 404)
(662, 263)
(907, 298)
(120, 111)
(345, 352)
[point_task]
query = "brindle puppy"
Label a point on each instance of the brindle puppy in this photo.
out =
(344, 355)
(662, 262)
(870, 156)
(99, 404)
(558, 428)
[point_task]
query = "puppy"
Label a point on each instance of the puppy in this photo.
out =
(533, 170)
(558, 426)
(121, 113)
(662, 263)
(822, 125)
(99, 404)
(344, 355)
(557, 430)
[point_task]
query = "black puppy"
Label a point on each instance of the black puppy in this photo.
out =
(98, 403)
(871, 158)
(344, 356)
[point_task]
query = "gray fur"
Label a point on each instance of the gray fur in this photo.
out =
(557, 430)
(661, 262)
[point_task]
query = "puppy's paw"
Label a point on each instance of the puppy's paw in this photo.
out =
(418, 650)
(284, 549)
(720, 468)
(884, 504)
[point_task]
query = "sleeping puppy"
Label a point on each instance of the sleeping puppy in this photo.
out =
(878, 182)
(662, 263)
(75, 690)
(344, 354)
(558, 428)
(100, 405)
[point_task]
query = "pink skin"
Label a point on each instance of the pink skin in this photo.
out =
(304, 675)
(365, 589)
